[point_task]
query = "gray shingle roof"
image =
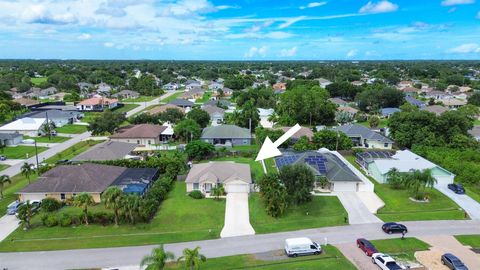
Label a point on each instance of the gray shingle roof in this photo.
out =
(182, 103)
(108, 150)
(9, 136)
(226, 132)
(53, 114)
(219, 172)
(366, 133)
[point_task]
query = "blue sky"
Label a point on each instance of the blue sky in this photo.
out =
(240, 30)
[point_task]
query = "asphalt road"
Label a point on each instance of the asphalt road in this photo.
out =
(144, 105)
(131, 256)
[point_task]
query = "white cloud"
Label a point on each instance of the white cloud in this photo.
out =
(288, 52)
(466, 48)
(223, 7)
(108, 44)
(257, 35)
(378, 7)
(290, 21)
(352, 53)
(447, 3)
(313, 5)
(85, 36)
(256, 52)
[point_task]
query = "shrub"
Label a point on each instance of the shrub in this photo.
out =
(65, 220)
(102, 218)
(196, 194)
(51, 204)
(49, 220)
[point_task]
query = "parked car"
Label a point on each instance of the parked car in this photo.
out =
(393, 227)
(452, 262)
(301, 246)
(366, 246)
(35, 206)
(13, 207)
(63, 161)
(385, 262)
(3, 158)
(457, 188)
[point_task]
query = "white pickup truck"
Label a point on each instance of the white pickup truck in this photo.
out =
(385, 262)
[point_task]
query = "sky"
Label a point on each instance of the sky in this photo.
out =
(240, 29)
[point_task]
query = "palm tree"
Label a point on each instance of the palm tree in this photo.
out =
(131, 206)
(3, 180)
(192, 258)
(27, 170)
(156, 260)
(25, 213)
(84, 200)
(47, 128)
(418, 181)
(113, 200)
(218, 191)
(395, 178)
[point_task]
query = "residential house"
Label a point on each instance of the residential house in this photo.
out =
(214, 86)
(97, 104)
(227, 135)
(163, 108)
(191, 84)
(183, 103)
(216, 114)
(364, 137)
(378, 164)
(193, 93)
(55, 107)
(142, 134)
(338, 101)
(38, 93)
(66, 181)
(234, 177)
(26, 126)
(84, 86)
(302, 132)
(58, 96)
(341, 175)
(410, 91)
(387, 112)
(279, 88)
(103, 89)
(170, 86)
(57, 117)
(405, 84)
(453, 103)
(324, 82)
(357, 83)
(225, 92)
(415, 102)
(475, 132)
(219, 103)
(436, 109)
(10, 139)
(437, 95)
(124, 94)
(27, 102)
(265, 116)
(350, 110)
(108, 150)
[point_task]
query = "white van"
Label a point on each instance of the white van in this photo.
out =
(301, 246)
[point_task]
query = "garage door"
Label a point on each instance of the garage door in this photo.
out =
(237, 188)
(444, 180)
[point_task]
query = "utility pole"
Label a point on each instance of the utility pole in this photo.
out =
(36, 154)
(48, 126)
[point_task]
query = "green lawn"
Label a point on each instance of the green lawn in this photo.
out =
(172, 97)
(383, 123)
(72, 129)
(398, 206)
(246, 148)
(206, 97)
(38, 81)
(139, 99)
(331, 259)
(477, 122)
(53, 139)
(18, 182)
(179, 219)
(72, 151)
(469, 240)
(126, 108)
(21, 151)
(3, 167)
(322, 211)
(405, 248)
(89, 116)
(473, 192)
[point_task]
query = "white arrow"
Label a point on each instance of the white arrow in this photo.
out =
(270, 149)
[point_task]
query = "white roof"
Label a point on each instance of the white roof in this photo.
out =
(265, 112)
(403, 161)
(298, 241)
(26, 123)
(168, 130)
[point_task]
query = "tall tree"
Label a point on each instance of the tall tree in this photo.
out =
(157, 259)
(418, 181)
(4, 179)
(25, 213)
(273, 194)
(187, 130)
(113, 200)
(106, 122)
(27, 170)
(84, 200)
(395, 178)
(192, 258)
(248, 116)
(332, 140)
(200, 116)
(299, 181)
(131, 206)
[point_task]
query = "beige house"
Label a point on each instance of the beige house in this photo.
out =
(235, 177)
(143, 134)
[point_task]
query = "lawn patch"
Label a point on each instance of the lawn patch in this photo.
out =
(72, 151)
(139, 99)
(332, 258)
(3, 167)
(18, 182)
(72, 129)
(52, 139)
(172, 97)
(469, 240)
(21, 151)
(405, 248)
(38, 81)
(398, 206)
(322, 211)
(125, 108)
(206, 97)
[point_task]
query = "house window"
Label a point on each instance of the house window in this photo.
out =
(385, 145)
(138, 141)
(62, 196)
(149, 142)
(196, 186)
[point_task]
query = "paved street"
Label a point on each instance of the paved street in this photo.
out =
(90, 258)
(144, 105)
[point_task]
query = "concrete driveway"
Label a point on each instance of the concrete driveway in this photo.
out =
(468, 204)
(8, 224)
(237, 217)
(356, 256)
(358, 213)
(446, 244)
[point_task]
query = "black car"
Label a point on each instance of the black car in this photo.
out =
(63, 162)
(457, 188)
(393, 227)
(452, 262)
